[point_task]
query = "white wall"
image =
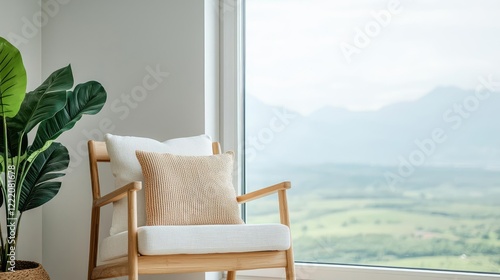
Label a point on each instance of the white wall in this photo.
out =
(15, 26)
(118, 42)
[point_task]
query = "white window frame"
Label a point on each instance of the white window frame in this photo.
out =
(232, 136)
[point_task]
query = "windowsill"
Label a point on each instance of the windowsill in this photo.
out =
(346, 272)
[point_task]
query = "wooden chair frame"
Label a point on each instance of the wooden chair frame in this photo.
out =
(136, 264)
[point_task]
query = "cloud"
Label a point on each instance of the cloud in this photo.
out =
(293, 56)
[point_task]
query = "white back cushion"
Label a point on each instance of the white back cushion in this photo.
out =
(126, 167)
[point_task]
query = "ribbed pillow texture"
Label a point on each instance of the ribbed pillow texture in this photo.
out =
(188, 190)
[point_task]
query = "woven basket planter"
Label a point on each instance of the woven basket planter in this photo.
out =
(26, 270)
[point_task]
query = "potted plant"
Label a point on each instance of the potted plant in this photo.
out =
(30, 172)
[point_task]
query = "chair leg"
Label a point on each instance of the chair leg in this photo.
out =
(133, 271)
(231, 275)
(290, 272)
(290, 267)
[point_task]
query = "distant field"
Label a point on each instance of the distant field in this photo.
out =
(451, 224)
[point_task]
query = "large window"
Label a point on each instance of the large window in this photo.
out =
(385, 115)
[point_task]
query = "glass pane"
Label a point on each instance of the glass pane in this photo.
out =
(385, 116)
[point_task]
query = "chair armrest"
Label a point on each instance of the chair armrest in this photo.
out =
(117, 194)
(263, 192)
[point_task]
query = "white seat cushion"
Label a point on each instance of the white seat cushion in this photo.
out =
(200, 239)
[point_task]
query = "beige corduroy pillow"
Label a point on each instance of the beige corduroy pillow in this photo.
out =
(188, 190)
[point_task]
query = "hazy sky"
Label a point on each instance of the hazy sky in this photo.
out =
(294, 51)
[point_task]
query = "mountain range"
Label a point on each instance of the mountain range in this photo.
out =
(448, 126)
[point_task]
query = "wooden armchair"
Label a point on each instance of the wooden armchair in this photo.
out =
(135, 263)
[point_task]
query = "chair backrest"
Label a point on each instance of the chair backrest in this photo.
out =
(99, 153)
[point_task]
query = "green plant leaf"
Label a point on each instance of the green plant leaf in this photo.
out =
(44, 102)
(12, 79)
(39, 185)
(59, 80)
(13, 142)
(87, 98)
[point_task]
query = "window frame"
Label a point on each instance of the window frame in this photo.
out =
(232, 87)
